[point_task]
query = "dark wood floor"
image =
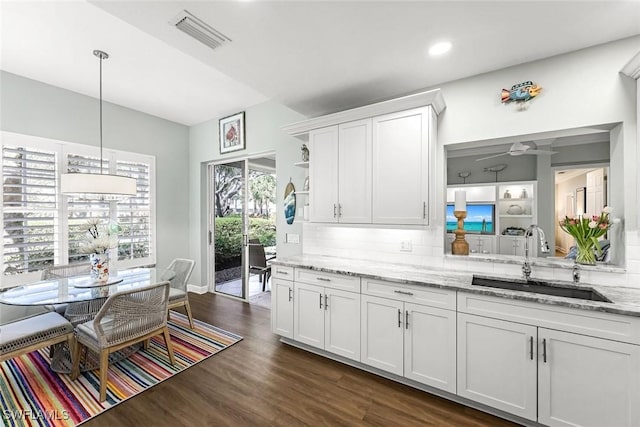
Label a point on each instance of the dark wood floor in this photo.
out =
(260, 381)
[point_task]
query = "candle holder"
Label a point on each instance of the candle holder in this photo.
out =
(460, 246)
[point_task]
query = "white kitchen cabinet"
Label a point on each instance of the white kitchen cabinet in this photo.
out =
(410, 340)
(401, 153)
(553, 377)
(323, 174)
(480, 244)
(328, 319)
(587, 381)
(497, 364)
(282, 307)
(514, 245)
(340, 173)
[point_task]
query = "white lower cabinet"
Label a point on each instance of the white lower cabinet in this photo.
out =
(328, 319)
(411, 340)
(496, 365)
(552, 377)
(587, 381)
(282, 307)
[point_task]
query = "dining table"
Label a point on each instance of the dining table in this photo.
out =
(83, 297)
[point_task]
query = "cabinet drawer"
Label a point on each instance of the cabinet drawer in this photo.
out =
(586, 322)
(329, 280)
(282, 272)
(434, 297)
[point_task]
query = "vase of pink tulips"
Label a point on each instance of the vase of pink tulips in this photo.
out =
(587, 230)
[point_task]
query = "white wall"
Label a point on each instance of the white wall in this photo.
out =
(34, 108)
(582, 88)
(263, 135)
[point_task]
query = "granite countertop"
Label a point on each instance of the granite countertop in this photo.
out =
(625, 300)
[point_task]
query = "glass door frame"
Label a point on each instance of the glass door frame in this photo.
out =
(211, 252)
(210, 219)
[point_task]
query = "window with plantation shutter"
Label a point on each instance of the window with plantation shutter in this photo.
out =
(29, 208)
(41, 227)
(79, 210)
(134, 213)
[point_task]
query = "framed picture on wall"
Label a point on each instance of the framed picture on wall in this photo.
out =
(231, 130)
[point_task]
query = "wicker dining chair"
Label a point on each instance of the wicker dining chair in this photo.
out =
(126, 318)
(178, 295)
(65, 270)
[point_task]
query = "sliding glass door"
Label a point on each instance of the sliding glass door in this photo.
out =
(228, 235)
(242, 227)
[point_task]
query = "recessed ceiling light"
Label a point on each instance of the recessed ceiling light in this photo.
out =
(439, 48)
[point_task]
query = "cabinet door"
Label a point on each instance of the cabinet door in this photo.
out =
(354, 172)
(497, 364)
(323, 175)
(401, 167)
(430, 346)
(382, 334)
(587, 381)
(342, 323)
(308, 314)
(282, 307)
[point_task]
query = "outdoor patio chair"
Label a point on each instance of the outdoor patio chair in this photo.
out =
(258, 262)
(126, 318)
(178, 295)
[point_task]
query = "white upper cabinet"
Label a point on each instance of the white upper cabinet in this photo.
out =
(354, 172)
(323, 175)
(371, 164)
(401, 151)
(340, 173)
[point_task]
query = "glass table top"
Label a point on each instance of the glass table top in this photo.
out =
(81, 288)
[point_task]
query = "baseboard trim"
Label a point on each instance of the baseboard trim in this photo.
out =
(198, 289)
(413, 384)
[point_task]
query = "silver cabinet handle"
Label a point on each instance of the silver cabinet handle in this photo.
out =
(334, 210)
(323, 279)
(286, 273)
(320, 301)
(326, 301)
(406, 319)
(544, 350)
(290, 294)
(339, 210)
(531, 347)
(399, 318)
(403, 292)
(424, 210)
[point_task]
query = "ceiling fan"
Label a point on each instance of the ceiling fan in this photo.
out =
(518, 149)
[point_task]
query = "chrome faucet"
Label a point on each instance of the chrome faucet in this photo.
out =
(576, 273)
(544, 248)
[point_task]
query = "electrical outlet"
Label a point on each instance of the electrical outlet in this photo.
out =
(406, 246)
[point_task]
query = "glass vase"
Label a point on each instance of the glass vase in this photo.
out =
(585, 255)
(100, 267)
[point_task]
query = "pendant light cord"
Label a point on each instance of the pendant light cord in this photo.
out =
(101, 58)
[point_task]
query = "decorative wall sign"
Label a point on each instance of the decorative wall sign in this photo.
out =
(231, 131)
(290, 203)
(521, 93)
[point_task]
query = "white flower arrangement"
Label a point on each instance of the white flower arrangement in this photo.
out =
(99, 237)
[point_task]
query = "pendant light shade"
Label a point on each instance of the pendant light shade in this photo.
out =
(102, 186)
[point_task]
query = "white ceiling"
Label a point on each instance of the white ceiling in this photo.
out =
(315, 57)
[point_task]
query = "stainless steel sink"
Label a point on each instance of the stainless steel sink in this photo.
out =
(540, 287)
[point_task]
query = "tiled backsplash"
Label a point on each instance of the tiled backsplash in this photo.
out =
(427, 249)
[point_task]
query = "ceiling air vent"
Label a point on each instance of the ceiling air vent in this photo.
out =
(200, 30)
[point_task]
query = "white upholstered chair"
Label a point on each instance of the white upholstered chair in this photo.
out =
(126, 318)
(178, 295)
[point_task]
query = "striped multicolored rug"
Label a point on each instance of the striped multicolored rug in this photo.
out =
(33, 395)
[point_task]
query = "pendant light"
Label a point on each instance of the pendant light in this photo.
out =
(102, 186)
